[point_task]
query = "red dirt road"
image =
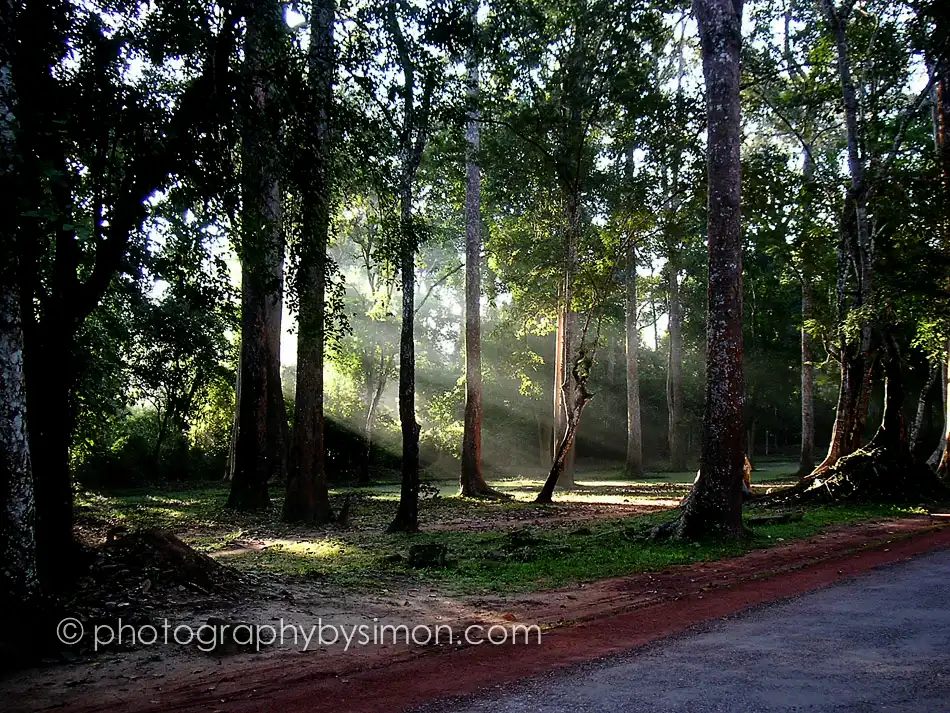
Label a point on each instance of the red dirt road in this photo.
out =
(615, 615)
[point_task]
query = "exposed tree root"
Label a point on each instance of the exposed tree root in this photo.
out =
(870, 474)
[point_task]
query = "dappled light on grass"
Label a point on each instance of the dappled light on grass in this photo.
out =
(318, 557)
(593, 530)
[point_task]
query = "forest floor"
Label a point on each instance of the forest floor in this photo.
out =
(584, 558)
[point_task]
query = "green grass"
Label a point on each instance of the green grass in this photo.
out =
(481, 559)
(491, 562)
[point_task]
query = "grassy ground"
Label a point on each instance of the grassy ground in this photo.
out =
(588, 534)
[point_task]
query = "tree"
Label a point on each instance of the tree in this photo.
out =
(472, 482)
(171, 343)
(19, 583)
(307, 497)
(96, 141)
(870, 162)
(566, 73)
(714, 506)
(259, 453)
(413, 135)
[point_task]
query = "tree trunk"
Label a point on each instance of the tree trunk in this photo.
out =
(914, 437)
(634, 465)
(49, 366)
(714, 507)
(674, 375)
(580, 397)
(854, 252)
(308, 499)
(415, 132)
(851, 409)
(806, 461)
(566, 324)
(259, 456)
(407, 514)
(19, 582)
(472, 480)
(18, 575)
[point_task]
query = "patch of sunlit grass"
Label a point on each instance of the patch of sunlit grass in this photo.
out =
(306, 548)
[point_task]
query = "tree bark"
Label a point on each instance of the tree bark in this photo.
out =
(308, 498)
(634, 464)
(714, 506)
(259, 455)
(19, 581)
(18, 575)
(472, 480)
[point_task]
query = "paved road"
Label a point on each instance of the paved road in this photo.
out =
(880, 642)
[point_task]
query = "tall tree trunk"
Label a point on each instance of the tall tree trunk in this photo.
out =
(854, 253)
(806, 461)
(259, 456)
(472, 480)
(407, 514)
(714, 507)
(308, 498)
(634, 464)
(415, 132)
(18, 575)
(19, 582)
(674, 375)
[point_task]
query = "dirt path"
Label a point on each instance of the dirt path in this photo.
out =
(876, 642)
(582, 623)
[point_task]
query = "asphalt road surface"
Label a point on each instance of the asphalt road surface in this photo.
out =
(880, 642)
